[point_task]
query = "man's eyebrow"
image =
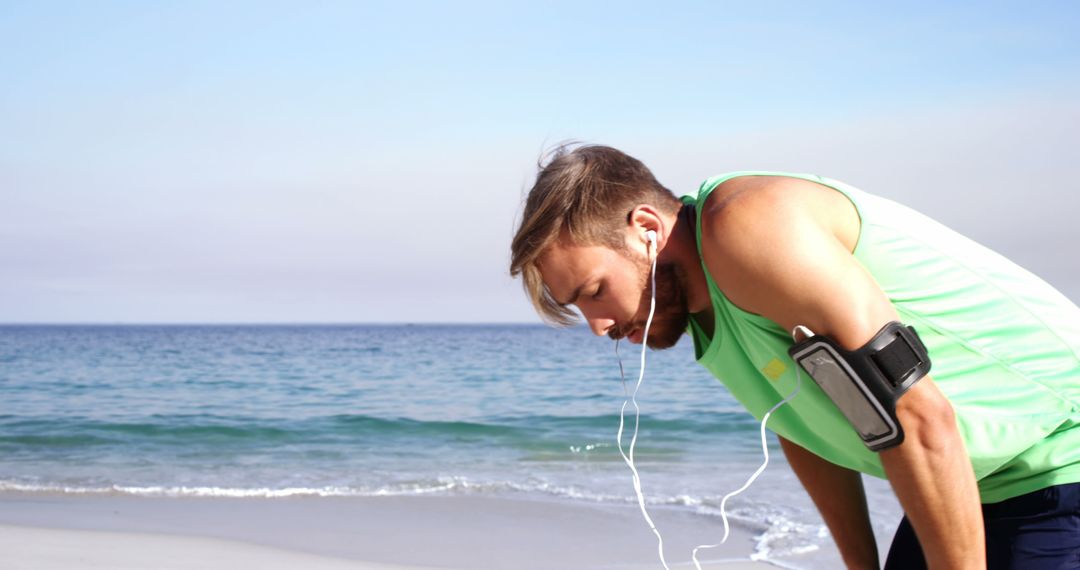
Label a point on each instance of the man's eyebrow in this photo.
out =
(576, 293)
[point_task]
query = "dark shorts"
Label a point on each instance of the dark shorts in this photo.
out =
(1036, 531)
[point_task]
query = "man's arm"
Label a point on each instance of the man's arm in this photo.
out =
(838, 494)
(931, 475)
(772, 245)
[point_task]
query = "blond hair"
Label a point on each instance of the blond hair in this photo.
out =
(583, 194)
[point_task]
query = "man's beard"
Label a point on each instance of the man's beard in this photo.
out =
(672, 313)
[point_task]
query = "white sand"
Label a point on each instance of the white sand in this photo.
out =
(27, 548)
(53, 532)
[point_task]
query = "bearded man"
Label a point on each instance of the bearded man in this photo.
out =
(988, 466)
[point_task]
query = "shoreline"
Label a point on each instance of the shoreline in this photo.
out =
(53, 531)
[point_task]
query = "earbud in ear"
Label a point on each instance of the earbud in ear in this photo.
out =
(651, 236)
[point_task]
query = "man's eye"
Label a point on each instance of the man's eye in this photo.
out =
(596, 295)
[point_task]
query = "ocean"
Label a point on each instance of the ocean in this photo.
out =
(267, 412)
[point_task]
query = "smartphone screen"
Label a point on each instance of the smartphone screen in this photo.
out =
(843, 390)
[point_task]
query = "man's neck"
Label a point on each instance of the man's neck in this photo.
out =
(682, 251)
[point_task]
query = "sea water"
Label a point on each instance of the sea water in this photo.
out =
(375, 410)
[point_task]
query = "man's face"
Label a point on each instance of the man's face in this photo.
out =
(611, 289)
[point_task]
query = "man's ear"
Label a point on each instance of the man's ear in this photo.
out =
(644, 218)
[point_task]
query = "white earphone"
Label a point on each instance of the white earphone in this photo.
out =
(631, 399)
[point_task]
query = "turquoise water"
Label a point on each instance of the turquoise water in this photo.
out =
(273, 411)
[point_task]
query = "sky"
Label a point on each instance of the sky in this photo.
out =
(281, 162)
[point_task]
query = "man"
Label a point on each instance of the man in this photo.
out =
(996, 423)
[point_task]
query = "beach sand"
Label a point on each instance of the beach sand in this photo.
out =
(51, 531)
(37, 548)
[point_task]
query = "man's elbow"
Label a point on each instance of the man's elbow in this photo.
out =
(928, 419)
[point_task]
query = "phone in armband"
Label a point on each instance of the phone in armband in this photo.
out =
(866, 383)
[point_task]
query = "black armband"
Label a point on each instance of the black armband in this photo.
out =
(866, 383)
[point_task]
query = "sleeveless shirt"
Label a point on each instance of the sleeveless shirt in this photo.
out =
(1004, 347)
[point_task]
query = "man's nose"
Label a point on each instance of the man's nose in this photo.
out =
(600, 327)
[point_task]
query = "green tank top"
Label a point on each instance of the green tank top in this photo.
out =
(1004, 347)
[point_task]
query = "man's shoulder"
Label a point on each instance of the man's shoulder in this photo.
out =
(760, 234)
(758, 210)
(748, 208)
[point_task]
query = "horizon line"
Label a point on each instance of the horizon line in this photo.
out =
(275, 323)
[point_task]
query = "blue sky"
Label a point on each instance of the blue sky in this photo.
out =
(348, 162)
